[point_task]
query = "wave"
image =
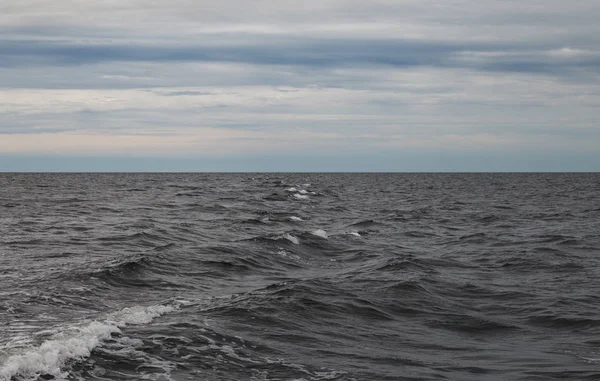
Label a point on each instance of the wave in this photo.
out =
(271, 238)
(542, 259)
(150, 269)
(140, 238)
(52, 358)
(366, 224)
(554, 320)
(276, 197)
(470, 324)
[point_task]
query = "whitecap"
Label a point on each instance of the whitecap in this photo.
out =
(300, 196)
(356, 234)
(294, 218)
(303, 191)
(291, 238)
(138, 314)
(51, 355)
(320, 233)
(72, 343)
(292, 189)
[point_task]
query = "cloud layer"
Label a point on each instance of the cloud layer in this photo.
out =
(333, 79)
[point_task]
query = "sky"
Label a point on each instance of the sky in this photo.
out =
(328, 85)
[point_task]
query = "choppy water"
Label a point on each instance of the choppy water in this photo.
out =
(299, 276)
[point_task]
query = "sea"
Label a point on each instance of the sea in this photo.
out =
(299, 276)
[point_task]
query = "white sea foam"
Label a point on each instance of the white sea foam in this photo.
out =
(320, 233)
(71, 343)
(51, 355)
(300, 196)
(138, 315)
(294, 218)
(81, 289)
(591, 360)
(291, 238)
(286, 254)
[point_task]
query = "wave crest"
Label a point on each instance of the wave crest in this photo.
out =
(75, 343)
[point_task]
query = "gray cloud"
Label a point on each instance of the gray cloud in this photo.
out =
(333, 76)
(313, 53)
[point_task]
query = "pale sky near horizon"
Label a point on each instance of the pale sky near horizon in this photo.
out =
(326, 85)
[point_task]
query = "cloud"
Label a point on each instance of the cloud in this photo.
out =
(296, 51)
(339, 77)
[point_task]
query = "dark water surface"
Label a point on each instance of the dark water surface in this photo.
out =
(299, 276)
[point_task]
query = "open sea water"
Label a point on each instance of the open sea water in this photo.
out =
(299, 277)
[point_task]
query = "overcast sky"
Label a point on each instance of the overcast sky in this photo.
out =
(329, 85)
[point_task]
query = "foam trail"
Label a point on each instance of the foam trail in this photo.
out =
(73, 343)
